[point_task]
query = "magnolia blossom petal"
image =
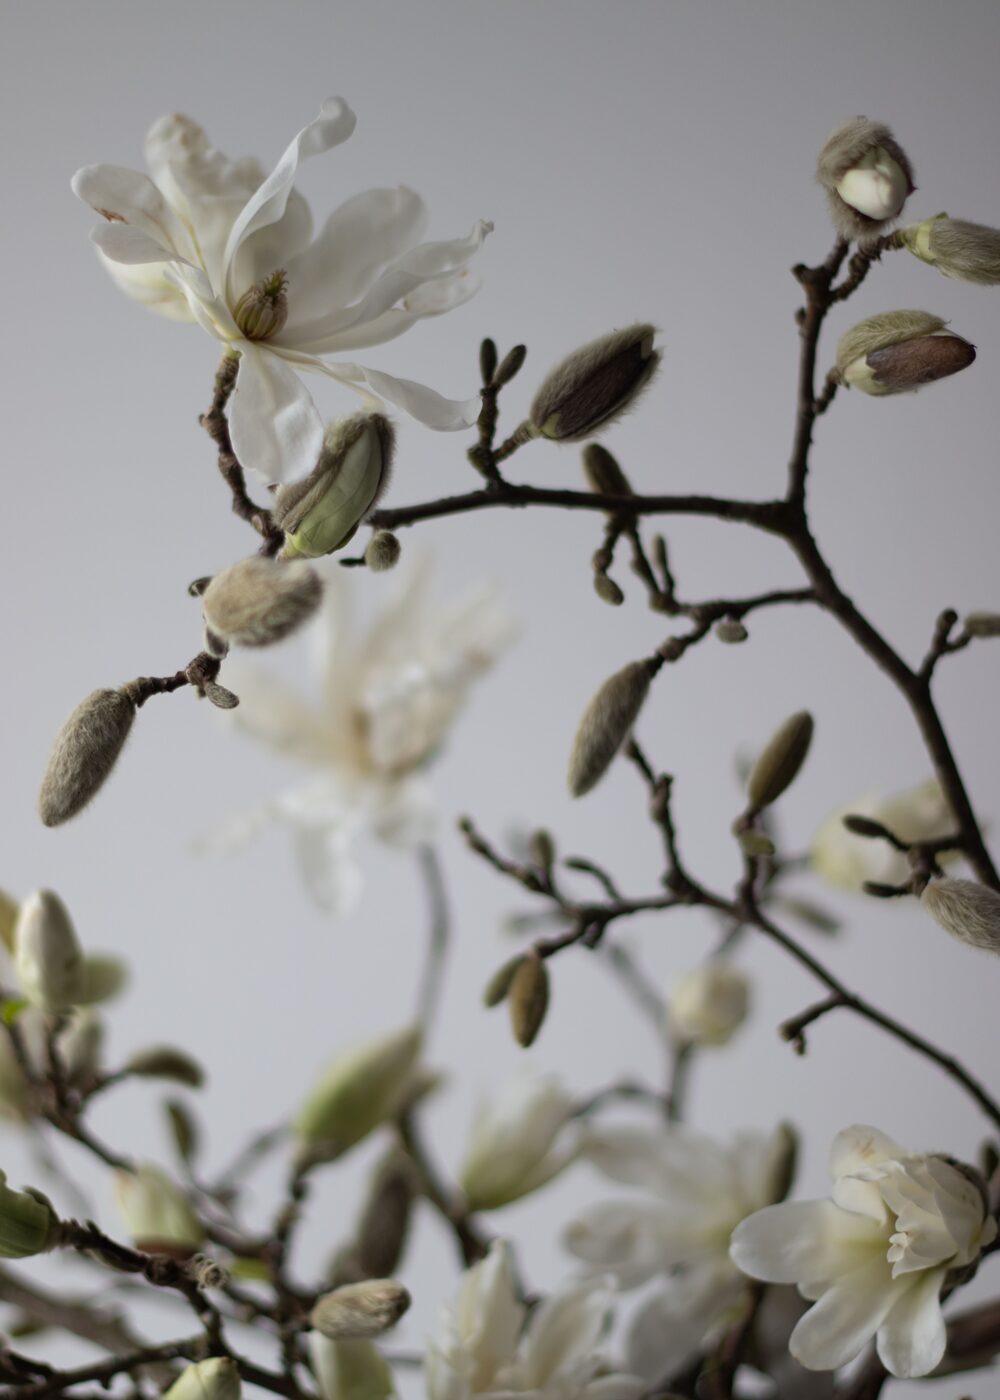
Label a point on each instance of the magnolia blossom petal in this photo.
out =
(273, 713)
(848, 1315)
(631, 1239)
(150, 285)
(670, 1326)
(128, 197)
(858, 1148)
(328, 867)
(487, 1316)
(913, 1338)
(333, 125)
(802, 1240)
(125, 243)
(565, 1330)
(422, 403)
(276, 429)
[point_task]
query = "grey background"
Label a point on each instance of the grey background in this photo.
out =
(639, 161)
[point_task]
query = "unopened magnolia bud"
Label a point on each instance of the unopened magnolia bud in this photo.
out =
(385, 1218)
(28, 1224)
(708, 1004)
(166, 1062)
(608, 591)
(731, 630)
(965, 909)
(595, 385)
(84, 753)
(383, 551)
(777, 766)
(498, 986)
(606, 722)
(898, 351)
(157, 1214)
(220, 697)
(350, 1370)
(215, 1379)
(360, 1310)
(969, 252)
(867, 177)
(510, 365)
(603, 473)
(262, 310)
(48, 956)
(259, 601)
(320, 513)
(982, 624)
(528, 998)
(359, 1091)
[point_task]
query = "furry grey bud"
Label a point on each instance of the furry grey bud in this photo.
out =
(603, 473)
(783, 756)
(867, 178)
(360, 1310)
(84, 753)
(528, 998)
(982, 624)
(731, 630)
(898, 351)
(968, 252)
(968, 911)
(259, 601)
(606, 722)
(321, 513)
(222, 698)
(383, 551)
(166, 1062)
(608, 591)
(595, 385)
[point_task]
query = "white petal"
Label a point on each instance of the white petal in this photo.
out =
(565, 1329)
(799, 1240)
(836, 1328)
(668, 1329)
(614, 1387)
(150, 286)
(127, 197)
(422, 403)
(329, 870)
(488, 1316)
(912, 1339)
(859, 1197)
(334, 124)
(274, 714)
(631, 1239)
(275, 427)
(858, 1148)
(126, 244)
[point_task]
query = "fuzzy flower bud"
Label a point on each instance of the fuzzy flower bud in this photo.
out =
(595, 385)
(383, 552)
(968, 911)
(214, 1379)
(156, 1213)
(83, 754)
(48, 956)
(606, 722)
(867, 178)
(259, 601)
(966, 251)
(777, 767)
(982, 624)
(262, 310)
(350, 1370)
(28, 1224)
(898, 351)
(708, 1005)
(360, 1090)
(528, 999)
(360, 1310)
(166, 1062)
(321, 513)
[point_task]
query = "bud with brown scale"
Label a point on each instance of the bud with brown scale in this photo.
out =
(83, 754)
(867, 178)
(260, 601)
(595, 385)
(896, 352)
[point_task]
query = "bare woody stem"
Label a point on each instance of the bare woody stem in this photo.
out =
(216, 425)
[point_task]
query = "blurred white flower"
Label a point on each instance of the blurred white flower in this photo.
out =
(211, 240)
(484, 1348)
(874, 1258)
(387, 699)
(520, 1140)
(847, 861)
(698, 1190)
(708, 1004)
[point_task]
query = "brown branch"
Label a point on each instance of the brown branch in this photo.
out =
(216, 424)
(472, 1241)
(189, 1348)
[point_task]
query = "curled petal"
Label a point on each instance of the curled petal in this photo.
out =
(128, 198)
(275, 427)
(858, 1148)
(424, 404)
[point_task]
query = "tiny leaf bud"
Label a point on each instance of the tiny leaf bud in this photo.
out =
(220, 697)
(83, 754)
(487, 360)
(320, 513)
(359, 1311)
(28, 1224)
(156, 1212)
(498, 986)
(603, 473)
(967, 910)
(350, 1370)
(383, 551)
(166, 1062)
(867, 178)
(783, 756)
(259, 601)
(528, 998)
(731, 630)
(608, 591)
(755, 843)
(606, 722)
(959, 249)
(510, 365)
(360, 1090)
(982, 624)
(596, 384)
(215, 1379)
(183, 1130)
(48, 956)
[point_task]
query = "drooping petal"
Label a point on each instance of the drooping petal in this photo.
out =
(127, 197)
(150, 285)
(858, 1148)
(631, 1239)
(267, 205)
(836, 1328)
(800, 1240)
(126, 244)
(276, 429)
(424, 404)
(912, 1339)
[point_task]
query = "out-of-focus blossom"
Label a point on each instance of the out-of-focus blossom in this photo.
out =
(212, 240)
(520, 1140)
(708, 1004)
(847, 861)
(387, 699)
(696, 1192)
(874, 1258)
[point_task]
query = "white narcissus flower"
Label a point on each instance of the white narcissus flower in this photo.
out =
(697, 1191)
(874, 1258)
(708, 1004)
(212, 240)
(387, 699)
(520, 1140)
(847, 861)
(483, 1347)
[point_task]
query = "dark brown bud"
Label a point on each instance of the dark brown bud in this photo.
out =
(385, 1217)
(608, 591)
(603, 473)
(595, 385)
(84, 753)
(487, 360)
(900, 369)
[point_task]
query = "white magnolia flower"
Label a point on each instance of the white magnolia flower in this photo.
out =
(874, 1258)
(520, 1140)
(708, 1004)
(386, 701)
(213, 240)
(847, 861)
(483, 1347)
(697, 1191)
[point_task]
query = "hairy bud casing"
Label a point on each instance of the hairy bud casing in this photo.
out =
(382, 552)
(777, 767)
(350, 1370)
(897, 352)
(960, 249)
(385, 1218)
(867, 178)
(596, 384)
(258, 601)
(359, 1311)
(28, 1224)
(83, 754)
(156, 1212)
(606, 722)
(967, 910)
(321, 513)
(709, 1004)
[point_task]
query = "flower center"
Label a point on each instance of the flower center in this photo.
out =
(262, 310)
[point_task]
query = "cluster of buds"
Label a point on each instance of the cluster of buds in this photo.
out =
(897, 352)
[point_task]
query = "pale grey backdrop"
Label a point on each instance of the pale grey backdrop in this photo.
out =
(647, 160)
